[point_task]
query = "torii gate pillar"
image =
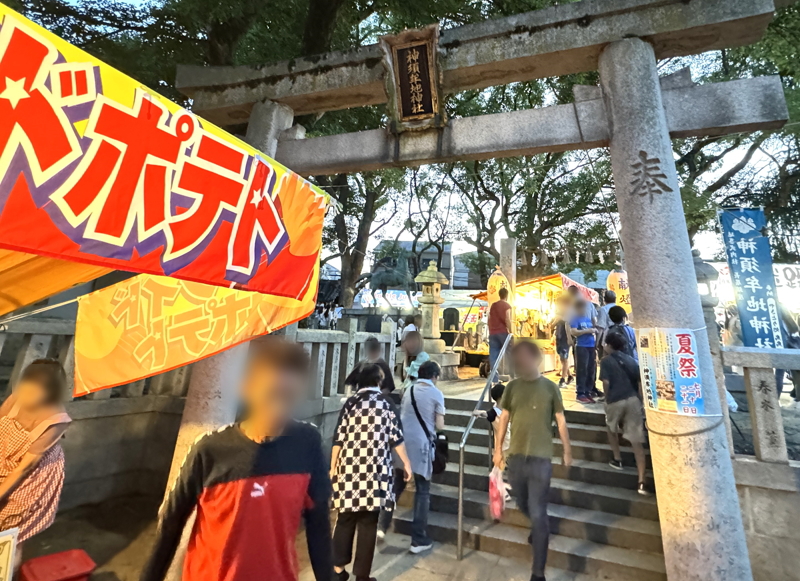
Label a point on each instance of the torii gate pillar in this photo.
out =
(701, 523)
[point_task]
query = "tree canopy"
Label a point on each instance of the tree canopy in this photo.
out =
(559, 206)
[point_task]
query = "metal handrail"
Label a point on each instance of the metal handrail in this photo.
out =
(463, 443)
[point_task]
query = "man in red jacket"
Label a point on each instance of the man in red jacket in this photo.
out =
(251, 484)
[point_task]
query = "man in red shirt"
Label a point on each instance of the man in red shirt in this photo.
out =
(500, 327)
(252, 484)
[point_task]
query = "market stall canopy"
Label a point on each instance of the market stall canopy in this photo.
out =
(556, 281)
(98, 173)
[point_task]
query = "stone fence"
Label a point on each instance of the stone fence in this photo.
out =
(122, 439)
(769, 483)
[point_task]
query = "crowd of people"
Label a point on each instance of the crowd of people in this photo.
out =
(325, 316)
(252, 484)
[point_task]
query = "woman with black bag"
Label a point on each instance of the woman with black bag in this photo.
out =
(422, 414)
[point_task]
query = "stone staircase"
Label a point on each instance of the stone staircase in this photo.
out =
(599, 524)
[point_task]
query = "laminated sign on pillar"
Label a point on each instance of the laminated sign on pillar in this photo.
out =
(670, 371)
(412, 82)
(750, 263)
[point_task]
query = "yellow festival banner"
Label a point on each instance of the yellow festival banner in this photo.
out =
(148, 324)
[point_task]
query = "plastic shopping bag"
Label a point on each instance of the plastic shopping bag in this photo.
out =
(733, 406)
(497, 494)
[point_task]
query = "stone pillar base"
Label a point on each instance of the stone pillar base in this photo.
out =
(449, 364)
(431, 346)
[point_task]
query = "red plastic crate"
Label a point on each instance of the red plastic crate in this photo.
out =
(74, 565)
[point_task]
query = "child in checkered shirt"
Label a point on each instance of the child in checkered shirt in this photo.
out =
(362, 472)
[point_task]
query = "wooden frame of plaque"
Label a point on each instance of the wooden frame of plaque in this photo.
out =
(412, 80)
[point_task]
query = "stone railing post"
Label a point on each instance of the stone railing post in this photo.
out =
(390, 352)
(34, 346)
(351, 326)
(769, 439)
(67, 358)
(716, 358)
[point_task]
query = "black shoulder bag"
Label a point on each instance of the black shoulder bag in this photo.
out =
(441, 447)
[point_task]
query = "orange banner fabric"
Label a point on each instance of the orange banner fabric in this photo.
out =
(150, 324)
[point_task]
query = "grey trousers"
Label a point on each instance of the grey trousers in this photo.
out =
(529, 477)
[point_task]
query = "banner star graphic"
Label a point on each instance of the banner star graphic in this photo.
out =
(14, 92)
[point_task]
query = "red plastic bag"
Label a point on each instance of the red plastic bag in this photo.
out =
(497, 494)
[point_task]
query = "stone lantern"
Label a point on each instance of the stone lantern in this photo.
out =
(431, 281)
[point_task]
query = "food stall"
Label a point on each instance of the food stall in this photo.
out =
(534, 304)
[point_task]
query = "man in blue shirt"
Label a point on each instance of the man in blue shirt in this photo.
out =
(583, 330)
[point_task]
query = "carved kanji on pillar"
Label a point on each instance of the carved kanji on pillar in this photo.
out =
(648, 177)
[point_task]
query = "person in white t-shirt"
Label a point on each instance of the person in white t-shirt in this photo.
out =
(414, 325)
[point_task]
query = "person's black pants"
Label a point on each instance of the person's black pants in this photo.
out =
(529, 477)
(347, 523)
(398, 487)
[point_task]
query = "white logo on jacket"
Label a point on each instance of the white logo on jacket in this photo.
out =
(258, 489)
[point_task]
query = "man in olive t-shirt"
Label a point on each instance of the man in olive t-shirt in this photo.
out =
(531, 403)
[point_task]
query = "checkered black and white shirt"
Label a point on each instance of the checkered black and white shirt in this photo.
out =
(368, 429)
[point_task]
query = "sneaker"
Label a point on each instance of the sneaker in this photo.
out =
(616, 464)
(417, 549)
(343, 576)
(561, 383)
(570, 379)
(381, 534)
(642, 489)
(584, 399)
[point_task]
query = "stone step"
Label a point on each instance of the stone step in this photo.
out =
(590, 495)
(460, 404)
(479, 455)
(578, 555)
(592, 418)
(480, 432)
(590, 525)
(477, 437)
(580, 471)
(478, 442)
(577, 431)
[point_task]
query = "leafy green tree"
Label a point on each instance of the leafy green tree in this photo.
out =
(762, 168)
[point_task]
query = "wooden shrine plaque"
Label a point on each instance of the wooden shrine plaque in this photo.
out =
(416, 83)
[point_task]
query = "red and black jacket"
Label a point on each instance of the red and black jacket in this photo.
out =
(250, 499)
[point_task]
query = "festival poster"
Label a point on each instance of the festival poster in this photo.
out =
(8, 545)
(96, 168)
(750, 261)
(670, 371)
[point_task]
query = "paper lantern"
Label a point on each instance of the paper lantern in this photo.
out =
(618, 282)
(497, 281)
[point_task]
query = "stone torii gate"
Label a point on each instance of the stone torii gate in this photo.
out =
(633, 112)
